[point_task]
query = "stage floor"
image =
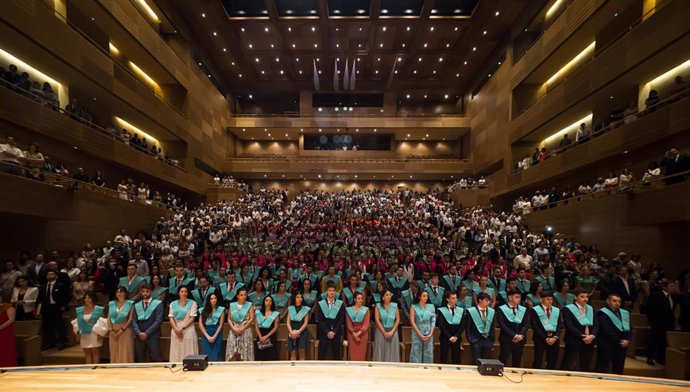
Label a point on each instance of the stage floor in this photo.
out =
(306, 376)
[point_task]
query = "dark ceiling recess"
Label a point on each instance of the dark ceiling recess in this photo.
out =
(297, 8)
(349, 7)
(457, 8)
(245, 8)
(401, 7)
(353, 100)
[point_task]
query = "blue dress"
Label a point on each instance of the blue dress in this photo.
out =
(425, 319)
(213, 350)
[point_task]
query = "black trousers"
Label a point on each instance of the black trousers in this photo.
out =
(582, 352)
(513, 350)
(481, 349)
(151, 346)
(53, 326)
(541, 348)
(657, 345)
(334, 344)
(446, 347)
(610, 359)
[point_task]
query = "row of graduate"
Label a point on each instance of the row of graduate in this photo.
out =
(134, 328)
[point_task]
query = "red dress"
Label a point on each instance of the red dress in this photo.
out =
(8, 353)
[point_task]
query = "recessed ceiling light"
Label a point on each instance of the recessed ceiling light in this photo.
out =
(282, 72)
(316, 45)
(360, 29)
(434, 72)
(286, 135)
(297, 59)
(266, 29)
(203, 15)
(240, 75)
(293, 46)
(407, 28)
(377, 71)
(359, 59)
(263, 72)
(200, 63)
(244, 130)
(408, 135)
(380, 45)
(215, 34)
(498, 13)
(337, 45)
(425, 96)
(399, 59)
(225, 49)
(289, 28)
(431, 28)
(318, 59)
(415, 72)
(250, 46)
(319, 72)
(384, 28)
(465, 63)
(427, 135)
(359, 45)
(251, 96)
(277, 59)
(242, 28)
(396, 71)
(456, 28)
(474, 48)
(440, 59)
(272, 46)
(447, 45)
(313, 28)
(445, 96)
(457, 75)
(419, 59)
(374, 129)
(484, 32)
(425, 44)
(378, 59)
(300, 72)
(256, 59)
(403, 45)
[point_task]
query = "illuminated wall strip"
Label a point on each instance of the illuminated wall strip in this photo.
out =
(149, 11)
(132, 129)
(570, 128)
(572, 63)
(36, 75)
(143, 75)
(113, 49)
(556, 5)
(665, 78)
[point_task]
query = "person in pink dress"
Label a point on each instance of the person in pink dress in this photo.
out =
(357, 325)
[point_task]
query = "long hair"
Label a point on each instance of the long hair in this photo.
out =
(208, 309)
(263, 305)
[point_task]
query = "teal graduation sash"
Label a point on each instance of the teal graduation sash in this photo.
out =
(387, 317)
(172, 284)
(549, 324)
(514, 318)
(313, 278)
(298, 316)
(196, 295)
(281, 303)
(466, 302)
(121, 316)
(255, 299)
(424, 314)
(437, 300)
(349, 295)
(504, 295)
(311, 299)
(484, 327)
(243, 280)
(324, 295)
(356, 317)
(549, 283)
(179, 312)
(85, 327)
(450, 318)
(238, 314)
(397, 284)
(570, 299)
(157, 292)
(622, 325)
(130, 286)
(335, 279)
(407, 297)
(587, 319)
(295, 274)
(453, 286)
(422, 285)
(143, 315)
(501, 285)
(523, 286)
(147, 279)
(471, 285)
(377, 297)
(330, 313)
(265, 322)
(214, 317)
(228, 295)
(489, 291)
(536, 300)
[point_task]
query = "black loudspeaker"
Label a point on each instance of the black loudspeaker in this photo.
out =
(490, 367)
(197, 363)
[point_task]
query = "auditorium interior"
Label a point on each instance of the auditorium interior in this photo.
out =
(449, 132)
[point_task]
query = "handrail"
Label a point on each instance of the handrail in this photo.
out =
(348, 116)
(66, 182)
(89, 124)
(109, 56)
(598, 52)
(645, 185)
(345, 160)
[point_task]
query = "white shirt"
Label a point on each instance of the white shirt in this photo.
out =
(10, 154)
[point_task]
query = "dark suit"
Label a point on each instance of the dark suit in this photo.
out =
(38, 279)
(684, 318)
(610, 354)
(575, 348)
(661, 319)
(51, 311)
(397, 291)
(674, 165)
(540, 346)
(326, 325)
(449, 330)
(618, 287)
(480, 346)
(152, 327)
(508, 330)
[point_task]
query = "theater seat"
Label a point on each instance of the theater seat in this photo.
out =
(28, 340)
(678, 355)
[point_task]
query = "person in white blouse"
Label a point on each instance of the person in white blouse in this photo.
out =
(24, 298)
(71, 270)
(183, 340)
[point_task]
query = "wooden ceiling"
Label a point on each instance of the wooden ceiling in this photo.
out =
(431, 50)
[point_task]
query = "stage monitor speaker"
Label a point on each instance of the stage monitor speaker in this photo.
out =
(196, 363)
(490, 367)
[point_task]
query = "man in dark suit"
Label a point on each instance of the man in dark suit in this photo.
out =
(228, 289)
(480, 330)
(580, 332)
(37, 270)
(513, 325)
(54, 297)
(546, 324)
(62, 277)
(398, 283)
(624, 285)
(674, 163)
(661, 318)
(451, 322)
(179, 279)
(615, 334)
(330, 318)
(146, 324)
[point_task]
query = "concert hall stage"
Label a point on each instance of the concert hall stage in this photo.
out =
(305, 376)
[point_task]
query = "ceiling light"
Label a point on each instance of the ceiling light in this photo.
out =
(440, 59)
(244, 130)
(408, 135)
(251, 96)
(263, 72)
(407, 96)
(313, 28)
(316, 45)
(465, 63)
(456, 28)
(277, 59)
(250, 46)
(215, 34)
(420, 59)
(380, 45)
(300, 72)
(447, 45)
(403, 45)
(474, 48)
(359, 45)
(425, 44)
(242, 28)
(297, 59)
(336, 11)
(358, 59)
(374, 129)
(415, 72)
(427, 135)
(203, 15)
(407, 28)
(225, 49)
(282, 72)
(272, 46)
(293, 46)
(256, 59)
(289, 28)
(378, 59)
(425, 96)
(498, 13)
(337, 45)
(384, 28)
(377, 71)
(240, 75)
(266, 29)
(396, 71)
(484, 32)
(431, 28)
(360, 29)
(457, 75)
(434, 72)
(200, 63)
(445, 96)
(286, 135)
